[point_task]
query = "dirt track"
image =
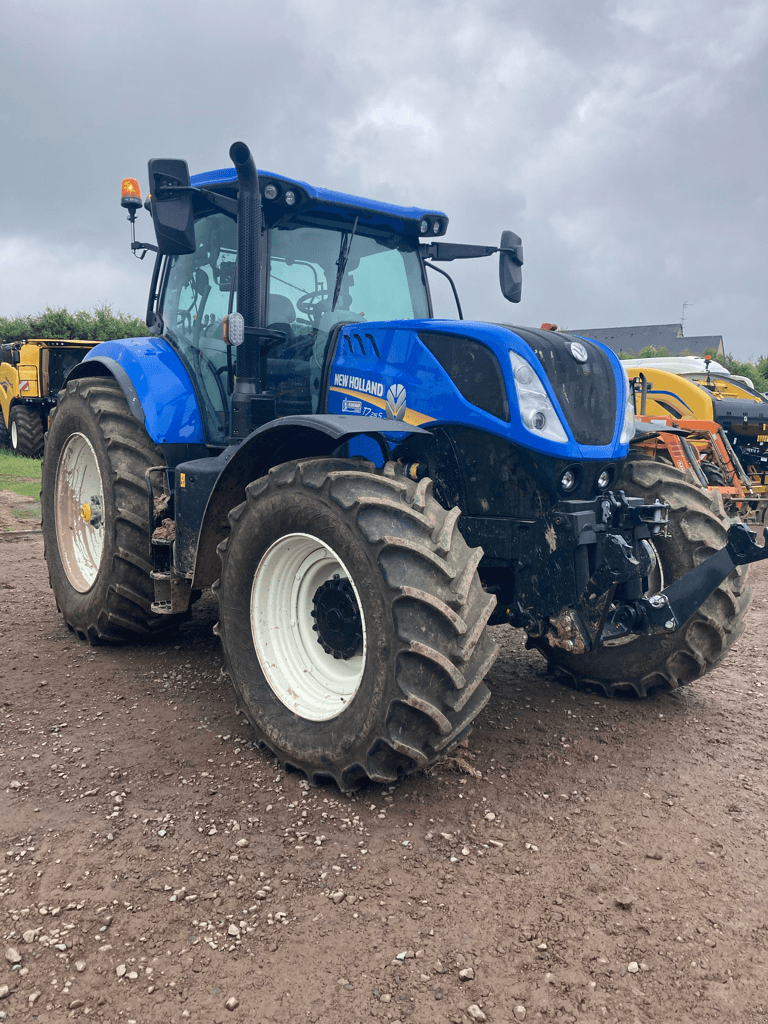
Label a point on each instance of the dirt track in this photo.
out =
(586, 860)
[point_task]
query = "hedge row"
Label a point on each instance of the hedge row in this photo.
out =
(102, 324)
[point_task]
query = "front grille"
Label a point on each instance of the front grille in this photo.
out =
(586, 391)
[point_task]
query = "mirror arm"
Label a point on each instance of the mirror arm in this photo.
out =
(223, 203)
(446, 252)
(146, 246)
(517, 253)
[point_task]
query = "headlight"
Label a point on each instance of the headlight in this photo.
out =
(536, 410)
(628, 430)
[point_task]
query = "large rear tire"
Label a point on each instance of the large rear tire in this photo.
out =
(26, 432)
(95, 514)
(352, 620)
(697, 529)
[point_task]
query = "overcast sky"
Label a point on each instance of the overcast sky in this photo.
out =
(624, 140)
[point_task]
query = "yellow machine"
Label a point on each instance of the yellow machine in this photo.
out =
(31, 374)
(739, 410)
(722, 418)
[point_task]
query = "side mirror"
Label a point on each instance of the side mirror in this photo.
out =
(171, 207)
(510, 266)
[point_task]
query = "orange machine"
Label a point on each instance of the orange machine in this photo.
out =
(698, 445)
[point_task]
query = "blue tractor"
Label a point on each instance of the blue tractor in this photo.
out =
(365, 487)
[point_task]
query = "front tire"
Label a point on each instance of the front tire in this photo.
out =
(393, 674)
(698, 528)
(26, 432)
(96, 514)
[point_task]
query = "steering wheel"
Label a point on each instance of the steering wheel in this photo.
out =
(310, 304)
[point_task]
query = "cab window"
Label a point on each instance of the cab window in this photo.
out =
(197, 295)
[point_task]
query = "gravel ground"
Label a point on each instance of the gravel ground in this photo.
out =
(581, 860)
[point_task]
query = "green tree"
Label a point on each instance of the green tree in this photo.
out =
(100, 324)
(755, 372)
(651, 352)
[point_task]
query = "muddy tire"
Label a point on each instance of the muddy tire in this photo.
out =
(713, 474)
(698, 526)
(99, 570)
(26, 432)
(353, 620)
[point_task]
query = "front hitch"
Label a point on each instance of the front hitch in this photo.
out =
(669, 610)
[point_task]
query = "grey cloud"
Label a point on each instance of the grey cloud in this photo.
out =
(622, 139)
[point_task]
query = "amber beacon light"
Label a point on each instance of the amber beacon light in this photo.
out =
(130, 195)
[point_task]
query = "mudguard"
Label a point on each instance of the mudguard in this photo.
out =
(155, 383)
(217, 484)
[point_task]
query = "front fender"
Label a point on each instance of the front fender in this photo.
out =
(155, 383)
(213, 487)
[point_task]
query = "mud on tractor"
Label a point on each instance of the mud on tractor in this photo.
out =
(365, 487)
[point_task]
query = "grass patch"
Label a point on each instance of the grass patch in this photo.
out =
(20, 475)
(26, 514)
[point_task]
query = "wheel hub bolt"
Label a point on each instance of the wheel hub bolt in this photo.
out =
(337, 618)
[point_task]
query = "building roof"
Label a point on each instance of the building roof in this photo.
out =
(635, 339)
(705, 341)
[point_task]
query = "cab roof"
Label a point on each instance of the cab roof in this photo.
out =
(338, 205)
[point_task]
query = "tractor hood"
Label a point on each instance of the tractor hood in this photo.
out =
(550, 392)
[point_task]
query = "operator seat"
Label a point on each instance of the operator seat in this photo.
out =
(286, 363)
(281, 315)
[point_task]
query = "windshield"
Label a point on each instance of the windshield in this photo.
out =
(378, 283)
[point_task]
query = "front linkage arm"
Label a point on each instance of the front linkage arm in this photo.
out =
(669, 610)
(580, 572)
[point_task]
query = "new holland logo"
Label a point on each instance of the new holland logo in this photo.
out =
(396, 402)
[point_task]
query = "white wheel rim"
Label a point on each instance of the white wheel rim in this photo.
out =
(14, 435)
(309, 681)
(78, 482)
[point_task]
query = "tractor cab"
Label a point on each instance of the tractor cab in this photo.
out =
(312, 260)
(382, 279)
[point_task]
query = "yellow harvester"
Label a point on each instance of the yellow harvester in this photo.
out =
(31, 374)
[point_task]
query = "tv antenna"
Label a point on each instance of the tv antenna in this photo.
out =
(686, 304)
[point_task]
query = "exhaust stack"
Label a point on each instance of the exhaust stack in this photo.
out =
(251, 405)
